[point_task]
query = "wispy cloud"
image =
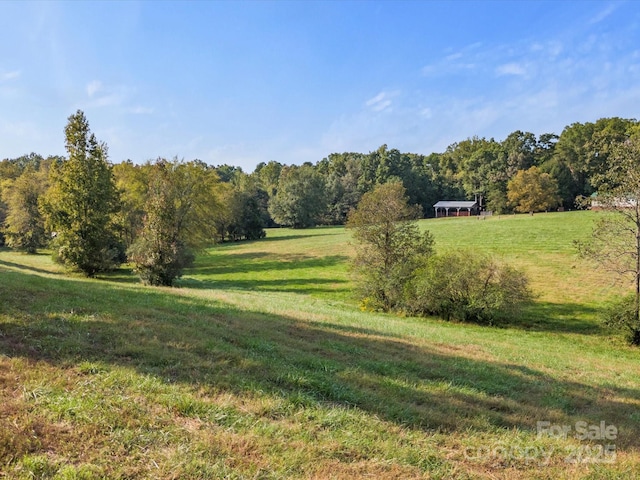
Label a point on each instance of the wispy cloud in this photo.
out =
(447, 66)
(426, 112)
(464, 59)
(472, 92)
(6, 76)
(101, 95)
(139, 110)
(511, 69)
(120, 97)
(551, 48)
(94, 87)
(107, 100)
(604, 13)
(382, 101)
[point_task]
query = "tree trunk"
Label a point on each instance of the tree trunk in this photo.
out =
(637, 299)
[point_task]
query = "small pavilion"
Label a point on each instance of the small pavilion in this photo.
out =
(456, 209)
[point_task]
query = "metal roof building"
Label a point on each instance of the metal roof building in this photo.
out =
(455, 208)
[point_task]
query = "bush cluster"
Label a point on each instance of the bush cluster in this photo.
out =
(397, 269)
(466, 286)
(622, 316)
(158, 264)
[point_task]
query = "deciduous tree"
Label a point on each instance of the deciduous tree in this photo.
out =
(533, 191)
(24, 224)
(389, 246)
(179, 219)
(131, 181)
(300, 200)
(615, 241)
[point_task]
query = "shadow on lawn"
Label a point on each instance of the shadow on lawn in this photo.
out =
(558, 317)
(190, 340)
(19, 266)
(313, 232)
(292, 285)
(212, 276)
(255, 262)
(304, 233)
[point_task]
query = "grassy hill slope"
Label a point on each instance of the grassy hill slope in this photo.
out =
(262, 366)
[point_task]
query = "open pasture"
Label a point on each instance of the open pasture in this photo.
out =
(261, 365)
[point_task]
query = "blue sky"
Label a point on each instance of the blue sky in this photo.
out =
(245, 82)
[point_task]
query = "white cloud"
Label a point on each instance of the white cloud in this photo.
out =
(101, 95)
(608, 10)
(448, 65)
(381, 102)
(10, 75)
(110, 100)
(380, 106)
(511, 69)
(557, 84)
(94, 87)
(453, 56)
(464, 59)
(426, 113)
(374, 100)
(446, 68)
(139, 110)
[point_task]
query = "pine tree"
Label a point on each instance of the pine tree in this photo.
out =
(81, 201)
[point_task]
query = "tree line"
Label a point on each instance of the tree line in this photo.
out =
(159, 213)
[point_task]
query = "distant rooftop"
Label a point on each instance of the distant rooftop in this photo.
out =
(454, 204)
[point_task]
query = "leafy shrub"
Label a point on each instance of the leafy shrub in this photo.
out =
(73, 252)
(465, 286)
(158, 263)
(622, 316)
(390, 245)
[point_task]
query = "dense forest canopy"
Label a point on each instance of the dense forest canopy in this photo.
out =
(499, 175)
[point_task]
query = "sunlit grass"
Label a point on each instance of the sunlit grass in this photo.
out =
(311, 262)
(251, 369)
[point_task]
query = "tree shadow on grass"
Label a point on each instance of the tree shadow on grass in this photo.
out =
(245, 264)
(557, 317)
(262, 262)
(19, 266)
(292, 285)
(177, 338)
(299, 235)
(120, 275)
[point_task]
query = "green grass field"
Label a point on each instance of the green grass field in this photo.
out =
(261, 365)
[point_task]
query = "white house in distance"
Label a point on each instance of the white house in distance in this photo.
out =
(612, 203)
(456, 209)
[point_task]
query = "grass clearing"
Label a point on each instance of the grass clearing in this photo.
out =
(261, 366)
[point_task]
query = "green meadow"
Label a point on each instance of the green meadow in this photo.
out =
(261, 365)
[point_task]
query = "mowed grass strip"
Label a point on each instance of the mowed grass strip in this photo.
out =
(107, 379)
(310, 262)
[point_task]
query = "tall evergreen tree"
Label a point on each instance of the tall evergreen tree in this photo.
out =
(81, 201)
